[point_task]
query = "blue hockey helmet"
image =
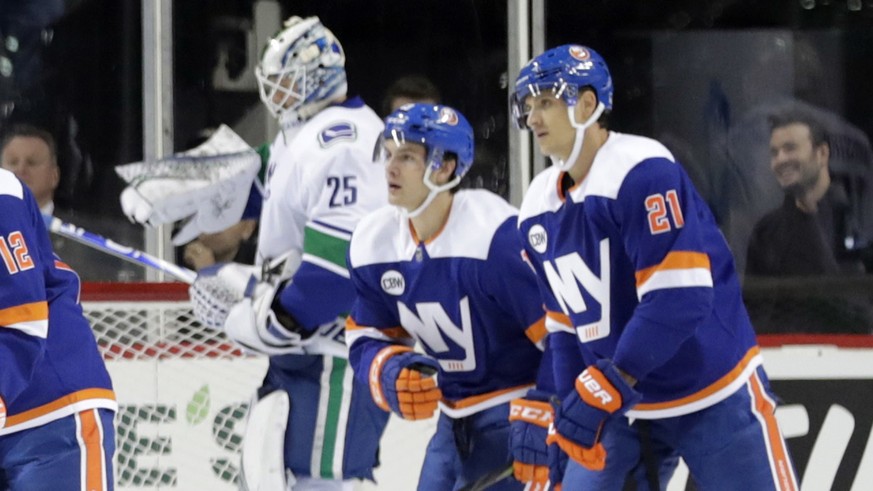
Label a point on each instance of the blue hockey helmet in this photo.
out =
(439, 128)
(565, 71)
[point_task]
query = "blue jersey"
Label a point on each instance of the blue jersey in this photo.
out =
(51, 367)
(633, 264)
(466, 295)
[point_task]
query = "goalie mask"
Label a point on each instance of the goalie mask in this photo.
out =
(301, 70)
(564, 71)
(442, 130)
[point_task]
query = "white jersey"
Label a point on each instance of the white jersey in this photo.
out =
(321, 174)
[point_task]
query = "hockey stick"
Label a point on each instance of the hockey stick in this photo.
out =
(489, 479)
(129, 254)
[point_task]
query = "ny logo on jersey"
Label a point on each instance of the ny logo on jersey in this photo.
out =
(565, 277)
(432, 322)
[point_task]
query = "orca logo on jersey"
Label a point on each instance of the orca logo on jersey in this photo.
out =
(393, 283)
(538, 238)
(343, 131)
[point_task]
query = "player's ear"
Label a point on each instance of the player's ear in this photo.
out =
(447, 170)
(586, 105)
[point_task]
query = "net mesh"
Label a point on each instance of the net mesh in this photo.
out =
(182, 389)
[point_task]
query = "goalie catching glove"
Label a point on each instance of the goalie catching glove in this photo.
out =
(402, 381)
(230, 297)
(207, 186)
(601, 393)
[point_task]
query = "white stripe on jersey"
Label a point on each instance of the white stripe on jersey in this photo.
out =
(37, 329)
(618, 156)
(10, 185)
(676, 278)
(384, 236)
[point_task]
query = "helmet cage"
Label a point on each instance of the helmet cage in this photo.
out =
(301, 70)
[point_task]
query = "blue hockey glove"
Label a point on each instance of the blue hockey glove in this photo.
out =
(557, 461)
(529, 421)
(402, 381)
(601, 392)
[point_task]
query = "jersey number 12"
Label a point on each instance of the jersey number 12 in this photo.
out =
(15, 253)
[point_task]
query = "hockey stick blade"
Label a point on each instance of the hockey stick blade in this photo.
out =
(489, 479)
(128, 254)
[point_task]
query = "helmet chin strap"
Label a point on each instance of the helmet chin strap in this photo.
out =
(434, 191)
(565, 165)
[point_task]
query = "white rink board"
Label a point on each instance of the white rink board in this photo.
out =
(173, 384)
(403, 445)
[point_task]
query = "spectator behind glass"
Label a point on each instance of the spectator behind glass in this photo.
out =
(808, 236)
(408, 89)
(805, 236)
(237, 243)
(31, 154)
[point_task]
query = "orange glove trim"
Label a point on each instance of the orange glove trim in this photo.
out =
(375, 374)
(597, 391)
(418, 395)
(534, 412)
(591, 458)
(537, 475)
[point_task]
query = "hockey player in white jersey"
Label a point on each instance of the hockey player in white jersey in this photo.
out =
(444, 268)
(320, 182)
(645, 312)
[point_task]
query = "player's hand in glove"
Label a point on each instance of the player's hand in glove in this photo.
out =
(601, 392)
(230, 297)
(557, 461)
(529, 421)
(402, 381)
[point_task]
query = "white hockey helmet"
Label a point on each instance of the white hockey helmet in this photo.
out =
(302, 70)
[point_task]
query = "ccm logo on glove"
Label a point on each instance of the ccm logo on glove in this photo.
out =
(596, 391)
(538, 413)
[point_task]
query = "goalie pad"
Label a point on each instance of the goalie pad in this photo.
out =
(207, 186)
(263, 446)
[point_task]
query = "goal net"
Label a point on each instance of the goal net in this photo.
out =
(182, 390)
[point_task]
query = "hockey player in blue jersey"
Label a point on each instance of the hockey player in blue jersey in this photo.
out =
(56, 399)
(312, 427)
(644, 305)
(444, 269)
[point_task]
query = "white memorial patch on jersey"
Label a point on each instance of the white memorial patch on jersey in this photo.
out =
(393, 283)
(538, 238)
(339, 131)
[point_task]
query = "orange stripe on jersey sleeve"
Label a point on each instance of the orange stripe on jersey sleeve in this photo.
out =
(537, 331)
(28, 312)
(711, 389)
(674, 260)
(559, 317)
(82, 395)
(92, 438)
(392, 332)
(779, 459)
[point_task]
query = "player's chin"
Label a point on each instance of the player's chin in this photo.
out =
(395, 198)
